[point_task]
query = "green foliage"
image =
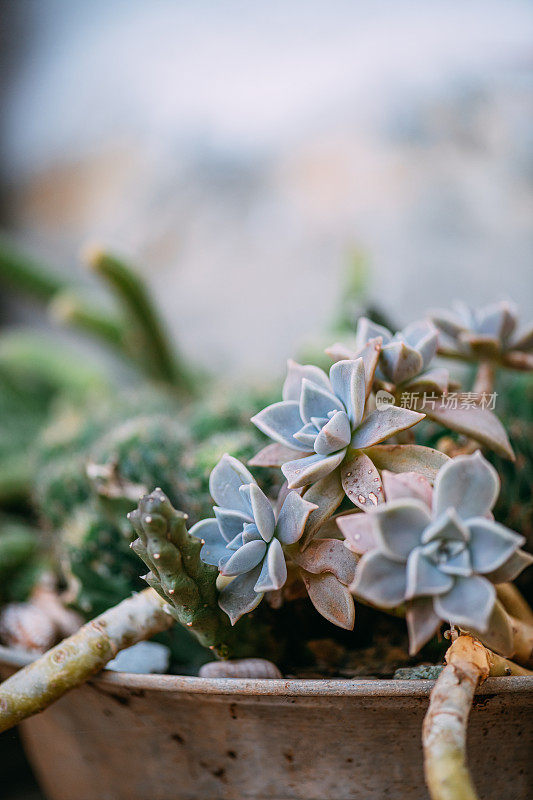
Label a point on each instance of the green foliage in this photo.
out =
(21, 558)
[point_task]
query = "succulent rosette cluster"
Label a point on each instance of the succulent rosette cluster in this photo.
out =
(405, 357)
(325, 421)
(489, 333)
(437, 550)
(405, 370)
(249, 542)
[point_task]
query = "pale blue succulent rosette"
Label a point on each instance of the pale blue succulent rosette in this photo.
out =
(325, 421)
(245, 539)
(439, 552)
(489, 333)
(250, 542)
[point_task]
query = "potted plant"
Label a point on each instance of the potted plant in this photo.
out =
(364, 512)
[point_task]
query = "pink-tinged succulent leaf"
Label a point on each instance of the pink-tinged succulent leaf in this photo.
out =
(225, 481)
(358, 531)
(311, 469)
(263, 512)
(348, 383)
(408, 458)
(275, 455)
(315, 401)
(370, 354)
(340, 352)
(383, 423)
(469, 604)
(499, 633)
(292, 388)
(380, 580)
(491, 544)
(327, 494)
(335, 435)
(399, 527)
(293, 517)
(280, 421)
(366, 330)
(424, 578)
(361, 481)
(230, 522)
(399, 362)
(476, 422)
(330, 598)
(469, 484)
(434, 380)
(422, 623)
(214, 545)
(523, 340)
(512, 568)
(404, 485)
(274, 570)
(239, 597)
(328, 555)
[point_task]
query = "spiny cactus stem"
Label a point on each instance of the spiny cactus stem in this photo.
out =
(160, 358)
(82, 655)
(484, 381)
(445, 724)
(67, 308)
(26, 274)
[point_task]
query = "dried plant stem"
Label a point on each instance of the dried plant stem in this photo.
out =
(501, 667)
(522, 642)
(444, 730)
(82, 655)
(514, 603)
(484, 382)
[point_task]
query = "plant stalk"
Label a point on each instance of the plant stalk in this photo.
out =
(159, 357)
(445, 724)
(82, 655)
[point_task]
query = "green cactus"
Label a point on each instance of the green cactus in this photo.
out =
(176, 572)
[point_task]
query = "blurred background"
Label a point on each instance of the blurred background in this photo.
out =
(257, 161)
(245, 154)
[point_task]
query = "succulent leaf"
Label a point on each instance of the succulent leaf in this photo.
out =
(361, 481)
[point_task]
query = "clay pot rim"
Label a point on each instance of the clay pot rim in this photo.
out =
(284, 687)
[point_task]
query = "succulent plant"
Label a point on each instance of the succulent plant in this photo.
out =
(403, 371)
(324, 423)
(244, 539)
(256, 546)
(438, 551)
(405, 356)
(489, 333)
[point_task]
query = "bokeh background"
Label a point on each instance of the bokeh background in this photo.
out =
(247, 154)
(257, 159)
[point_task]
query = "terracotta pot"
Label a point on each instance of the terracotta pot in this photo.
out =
(147, 737)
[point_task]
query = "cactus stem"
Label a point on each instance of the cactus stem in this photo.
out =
(158, 355)
(82, 655)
